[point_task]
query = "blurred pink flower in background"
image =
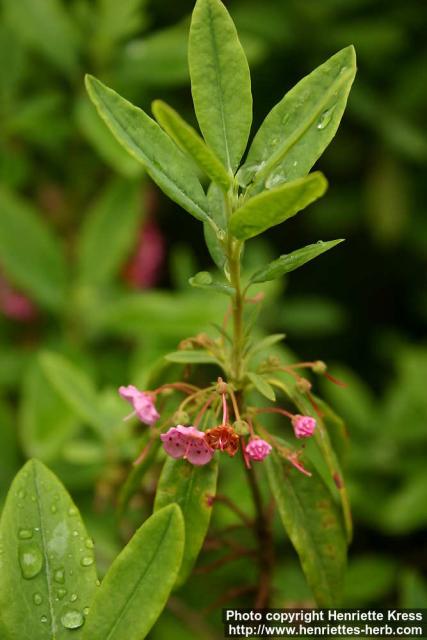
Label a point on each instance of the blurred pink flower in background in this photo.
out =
(15, 305)
(143, 270)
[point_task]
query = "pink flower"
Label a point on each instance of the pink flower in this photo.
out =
(257, 449)
(15, 305)
(144, 268)
(143, 404)
(304, 426)
(188, 443)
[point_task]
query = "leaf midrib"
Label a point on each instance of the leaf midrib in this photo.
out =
(219, 84)
(299, 132)
(45, 555)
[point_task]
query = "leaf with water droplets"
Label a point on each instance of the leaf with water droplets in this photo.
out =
(137, 586)
(291, 261)
(299, 128)
(42, 561)
(273, 207)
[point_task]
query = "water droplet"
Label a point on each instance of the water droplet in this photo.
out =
(89, 544)
(73, 597)
(59, 576)
(86, 611)
(37, 598)
(30, 559)
(325, 118)
(86, 561)
(274, 180)
(320, 242)
(274, 142)
(43, 619)
(295, 163)
(53, 508)
(22, 494)
(343, 68)
(25, 534)
(98, 583)
(61, 593)
(72, 619)
(72, 511)
(75, 533)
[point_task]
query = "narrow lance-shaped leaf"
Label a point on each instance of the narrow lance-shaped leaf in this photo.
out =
(273, 207)
(313, 523)
(148, 143)
(137, 586)
(190, 141)
(29, 252)
(299, 128)
(47, 568)
(192, 488)
(262, 386)
(291, 261)
(220, 82)
(108, 232)
(191, 357)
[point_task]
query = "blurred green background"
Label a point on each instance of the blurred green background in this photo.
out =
(94, 263)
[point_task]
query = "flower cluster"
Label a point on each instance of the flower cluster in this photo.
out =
(198, 446)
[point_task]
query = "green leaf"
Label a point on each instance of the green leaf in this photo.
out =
(220, 81)
(103, 141)
(217, 212)
(46, 26)
(299, 128)
(29, 253)
(189, 140)
(147, 142)
(115, 22)
(134, 479)
(190, 487)
(46, 422)
(270, 208)
(47, 562)
(76, 389)
(137, 586)
(291, 261)
(108, 232)
(204, 280)
(191, 357)
(313, 524)
(262, 386)
(265, 343)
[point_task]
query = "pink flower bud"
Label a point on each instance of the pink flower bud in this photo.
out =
(143, 404)
(188, 443)
(257, 449)
(304, 426)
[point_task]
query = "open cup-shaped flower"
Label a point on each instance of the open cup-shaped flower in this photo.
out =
(188, 443)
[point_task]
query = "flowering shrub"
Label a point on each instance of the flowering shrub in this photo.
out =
(236, 393)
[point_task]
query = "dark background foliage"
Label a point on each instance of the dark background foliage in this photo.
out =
(362, 308)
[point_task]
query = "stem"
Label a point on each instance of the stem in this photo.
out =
(237, 312)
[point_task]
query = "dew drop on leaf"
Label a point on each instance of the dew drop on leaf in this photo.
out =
(30, 559)
(25, 534)
(61, 593)
(72, 619)
(325, 118)
(43, 619)
(86, 561)
(73, 597)
(89, 543)
(59, 576)
(37, 598)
